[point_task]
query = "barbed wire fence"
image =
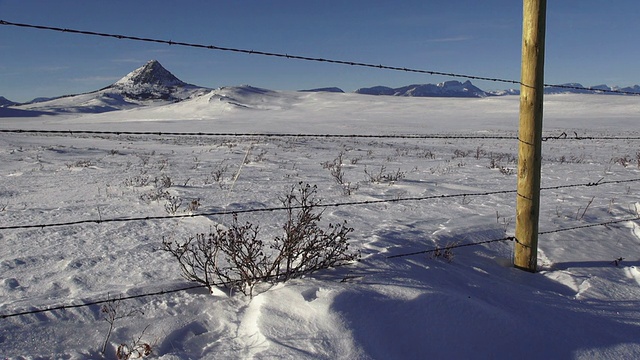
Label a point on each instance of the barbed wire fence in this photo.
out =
(559, 137)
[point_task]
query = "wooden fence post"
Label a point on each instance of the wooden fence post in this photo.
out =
(530, 134)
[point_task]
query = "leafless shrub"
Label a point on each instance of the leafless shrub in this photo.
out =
(163, 164)
(580, 216)
(196, 163)
(172, 205)
(80, 164)
(505, 221)
(163, 181)
(261, 156)
(457, 153)
(494, 163)
(194, 205)
(237, 258)
(384, 177)
(217, 174)
(621, 160)
(137, 181)
(427, 154)
(144, 159)
(305, 247)
(137, 349)
(445, 253)
(112, 311)
(335, 168)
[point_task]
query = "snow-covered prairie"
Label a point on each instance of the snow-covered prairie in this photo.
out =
(584, 302)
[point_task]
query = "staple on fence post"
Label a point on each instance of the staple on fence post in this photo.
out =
(530, 134)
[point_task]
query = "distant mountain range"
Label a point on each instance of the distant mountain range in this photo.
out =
(152, 84)
(445, 89)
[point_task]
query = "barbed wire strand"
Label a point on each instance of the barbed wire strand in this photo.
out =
(244, 211)
(257, 52)
(507, 238)
(562, 136)
(98, 302)
(301, 135)
(282, 208)
(304, 58)
(589, 225)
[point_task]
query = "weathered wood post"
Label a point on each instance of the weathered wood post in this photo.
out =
(530, 134)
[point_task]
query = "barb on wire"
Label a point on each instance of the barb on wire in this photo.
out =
(507, 238)
(561, 136)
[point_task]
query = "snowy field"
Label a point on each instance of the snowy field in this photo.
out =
(584, 303)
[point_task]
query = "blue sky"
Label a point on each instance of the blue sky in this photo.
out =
(588, 41)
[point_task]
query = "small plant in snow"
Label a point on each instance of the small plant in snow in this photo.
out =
(112, 311)
(137, 181)
(172, 205)
(337, 172)
(384, 177)
(335, 168)
(163, 182)
(137, 349)
(194, 205)
(445, 253)
(80, 164)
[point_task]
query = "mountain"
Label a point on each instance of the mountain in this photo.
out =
(6, 102)
(325, 89)
(443, 89)
(150, 84)
(576, 88)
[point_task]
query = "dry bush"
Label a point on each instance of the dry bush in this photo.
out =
(236, 257)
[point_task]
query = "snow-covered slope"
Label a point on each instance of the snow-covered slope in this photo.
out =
(148, 85)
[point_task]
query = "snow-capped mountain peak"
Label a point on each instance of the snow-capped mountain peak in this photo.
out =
(151, 73)
(152, 82)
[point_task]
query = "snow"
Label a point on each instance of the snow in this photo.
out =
(581, 304)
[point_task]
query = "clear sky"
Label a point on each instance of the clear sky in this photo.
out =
(588, 41)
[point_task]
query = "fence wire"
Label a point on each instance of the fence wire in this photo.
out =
(562, 136)
(282, 208)
(305, 58)
(257, 52)
(267, 135)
